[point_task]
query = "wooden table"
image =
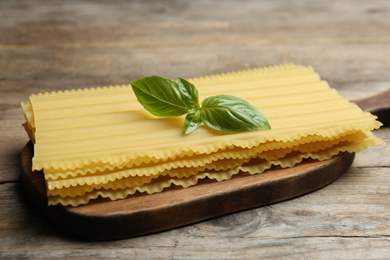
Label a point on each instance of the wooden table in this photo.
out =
(57, 45)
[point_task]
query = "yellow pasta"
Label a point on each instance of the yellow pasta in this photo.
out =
(255, 166)
(101, 141)
(98, 141)
(229, 159)
(268, 151)
(79, 186)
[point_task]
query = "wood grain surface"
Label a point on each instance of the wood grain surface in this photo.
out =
(56, 45)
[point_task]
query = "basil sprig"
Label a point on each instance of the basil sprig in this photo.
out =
(163, 97)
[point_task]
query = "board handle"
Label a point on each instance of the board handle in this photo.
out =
(378, 105)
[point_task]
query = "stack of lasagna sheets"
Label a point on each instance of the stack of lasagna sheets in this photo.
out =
(102, 142)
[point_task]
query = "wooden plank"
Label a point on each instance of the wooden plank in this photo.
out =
(346, 41)
(348, 218)
(40, 26)
(195, 60)
(376, 156)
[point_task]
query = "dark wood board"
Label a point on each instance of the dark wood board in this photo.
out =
(141, 214)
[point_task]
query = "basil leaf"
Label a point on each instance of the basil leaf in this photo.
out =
(192, 121)
(160, 96)
(231, 114)
(167, 98)
(189, 93)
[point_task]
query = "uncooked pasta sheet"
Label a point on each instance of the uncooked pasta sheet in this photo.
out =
(102, 142)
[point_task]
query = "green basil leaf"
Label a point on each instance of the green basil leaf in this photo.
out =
(192, 121)
(189, 93)
(167, 98)
(160, 96)
(232, 114)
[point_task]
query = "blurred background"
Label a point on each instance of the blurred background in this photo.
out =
(72, 44)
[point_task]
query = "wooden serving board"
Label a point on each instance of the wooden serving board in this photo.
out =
(141, 214)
